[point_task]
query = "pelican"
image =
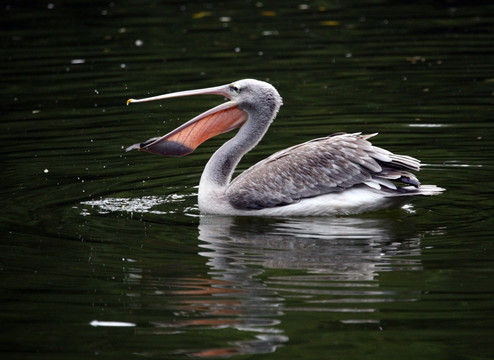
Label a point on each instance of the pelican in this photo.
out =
(340, 174)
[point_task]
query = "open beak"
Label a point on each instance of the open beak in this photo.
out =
(186, 138)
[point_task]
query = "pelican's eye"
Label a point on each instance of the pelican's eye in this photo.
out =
(235, 89)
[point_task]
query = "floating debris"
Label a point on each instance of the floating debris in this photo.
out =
(268, 13)
(77, 61)
(97, 323)
(202, 14)
(330, 23)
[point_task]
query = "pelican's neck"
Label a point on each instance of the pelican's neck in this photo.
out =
(220, 167)
(261, 102)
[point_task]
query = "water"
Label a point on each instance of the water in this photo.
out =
(104, 253)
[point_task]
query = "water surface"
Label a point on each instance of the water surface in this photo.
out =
(104, 253)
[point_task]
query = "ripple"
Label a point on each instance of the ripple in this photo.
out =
(145, 204)
(97, 323)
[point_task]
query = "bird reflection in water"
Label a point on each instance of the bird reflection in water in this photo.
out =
(329, 265)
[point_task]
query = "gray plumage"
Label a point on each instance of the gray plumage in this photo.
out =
(321, 166)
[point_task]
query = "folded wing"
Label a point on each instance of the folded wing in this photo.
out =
(318, 167)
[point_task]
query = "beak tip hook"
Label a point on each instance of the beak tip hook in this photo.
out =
(129, 101)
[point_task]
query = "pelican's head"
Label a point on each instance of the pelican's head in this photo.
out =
(249, 98)
(254, 95)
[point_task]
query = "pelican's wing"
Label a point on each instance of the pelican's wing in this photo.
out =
(317, 167)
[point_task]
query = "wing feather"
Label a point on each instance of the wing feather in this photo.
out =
(317, 167)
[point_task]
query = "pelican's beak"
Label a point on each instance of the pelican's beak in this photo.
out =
(186, 138)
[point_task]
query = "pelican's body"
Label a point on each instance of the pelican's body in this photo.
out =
(338, 174)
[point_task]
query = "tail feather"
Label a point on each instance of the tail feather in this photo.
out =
(424, 190)
(429, 190)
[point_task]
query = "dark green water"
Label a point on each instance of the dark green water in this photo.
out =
(104, 254)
